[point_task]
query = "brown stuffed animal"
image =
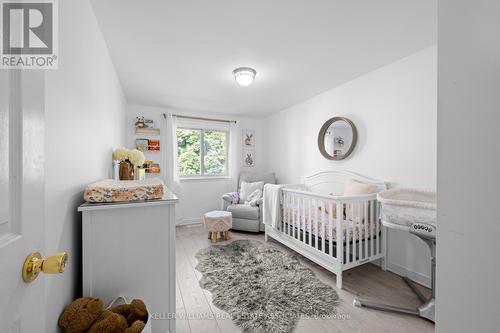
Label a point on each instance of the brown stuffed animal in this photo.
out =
(134, 311)
(136, 327)
(109, 322)
(81, 314)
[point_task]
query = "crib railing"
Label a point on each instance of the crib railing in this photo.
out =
(345, 228)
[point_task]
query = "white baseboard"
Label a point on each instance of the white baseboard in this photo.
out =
(414, 276)
(403, 271)
(196, 220)
(395, 268)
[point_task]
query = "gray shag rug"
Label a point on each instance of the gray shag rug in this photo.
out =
(262, 288)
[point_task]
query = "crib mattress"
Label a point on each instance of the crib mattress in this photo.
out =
(110, 190)
(354, 229)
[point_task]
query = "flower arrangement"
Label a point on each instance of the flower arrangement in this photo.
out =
(129, 158)
(134, 156)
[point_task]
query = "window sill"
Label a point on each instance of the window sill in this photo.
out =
(203, 178)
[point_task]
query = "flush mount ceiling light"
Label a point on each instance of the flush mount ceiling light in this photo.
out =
(244, 76)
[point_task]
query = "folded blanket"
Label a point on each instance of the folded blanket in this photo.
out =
(232, 197)
(110, 190)
(271, 204)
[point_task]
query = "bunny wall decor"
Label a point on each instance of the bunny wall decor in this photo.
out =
(248, 158)
(248, 138)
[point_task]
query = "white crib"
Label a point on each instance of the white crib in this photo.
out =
(311, 219)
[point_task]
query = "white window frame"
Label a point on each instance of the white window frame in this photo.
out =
(202, 174)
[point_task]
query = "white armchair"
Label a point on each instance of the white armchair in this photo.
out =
(246, 217)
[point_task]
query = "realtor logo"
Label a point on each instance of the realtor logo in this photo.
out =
(29, 34)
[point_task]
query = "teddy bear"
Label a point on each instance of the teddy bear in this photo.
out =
(134, 311)
(136, 327)
(139, 122)
(86, 315)
(79, 316)
(109, 322)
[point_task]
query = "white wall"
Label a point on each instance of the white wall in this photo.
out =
(394, 110)
(85, 117)
(199, 196)
(468, 271)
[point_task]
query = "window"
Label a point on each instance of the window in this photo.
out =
(202, 152)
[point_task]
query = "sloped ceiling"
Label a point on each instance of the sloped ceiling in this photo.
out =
(180, 54)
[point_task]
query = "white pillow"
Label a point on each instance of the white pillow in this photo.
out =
(249, 188)
(254, 197)
(354, 187)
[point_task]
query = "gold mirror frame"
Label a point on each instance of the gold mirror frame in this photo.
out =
(321, 138)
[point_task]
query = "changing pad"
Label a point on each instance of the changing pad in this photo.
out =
(110, 190)
(405, 206)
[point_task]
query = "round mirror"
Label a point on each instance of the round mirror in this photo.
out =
(337, 138)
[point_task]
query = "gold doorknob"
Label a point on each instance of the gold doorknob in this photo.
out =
(34, 264)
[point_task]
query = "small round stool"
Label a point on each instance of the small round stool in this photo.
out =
(218, 221)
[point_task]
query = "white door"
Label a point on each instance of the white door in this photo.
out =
(21, 197)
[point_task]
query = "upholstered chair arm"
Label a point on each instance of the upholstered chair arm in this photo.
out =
(229, 199)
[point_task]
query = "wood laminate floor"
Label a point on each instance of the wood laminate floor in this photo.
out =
(198, 315)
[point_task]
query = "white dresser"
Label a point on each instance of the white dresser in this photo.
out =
(129, 249)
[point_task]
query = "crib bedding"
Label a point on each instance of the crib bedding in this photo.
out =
(302, 221)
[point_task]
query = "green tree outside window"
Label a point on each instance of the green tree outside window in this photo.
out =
(190, 155)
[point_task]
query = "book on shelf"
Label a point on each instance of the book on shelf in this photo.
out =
(141, 144)
(154, 145)
(147, 144)
(150, 123)
(153, 168)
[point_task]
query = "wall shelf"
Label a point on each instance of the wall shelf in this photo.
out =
(147, 150)
(147, 131)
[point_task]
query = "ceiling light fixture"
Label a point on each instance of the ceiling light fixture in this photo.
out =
(244, 76)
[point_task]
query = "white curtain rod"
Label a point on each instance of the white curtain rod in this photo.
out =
(201, 118)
